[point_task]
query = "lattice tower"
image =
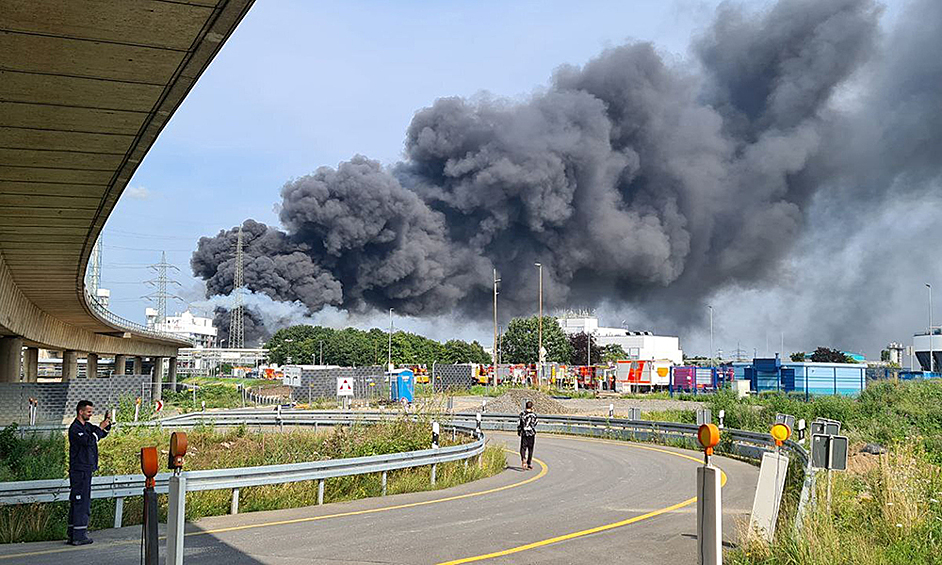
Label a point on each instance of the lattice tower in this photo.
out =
(161, 283)
(236, 316)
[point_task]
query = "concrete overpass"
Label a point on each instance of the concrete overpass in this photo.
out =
(85, 89)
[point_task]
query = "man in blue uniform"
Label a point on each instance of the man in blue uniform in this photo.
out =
(83, 461)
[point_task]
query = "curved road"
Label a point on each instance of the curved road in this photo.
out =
(588, 501)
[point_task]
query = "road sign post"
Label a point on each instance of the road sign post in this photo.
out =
(771, 485)
(709, 501)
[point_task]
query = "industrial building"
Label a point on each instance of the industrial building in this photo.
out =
(195, 329)
(923, 343)
(808, 378)
(639, 345)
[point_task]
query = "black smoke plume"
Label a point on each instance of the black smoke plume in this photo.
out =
(632, 179)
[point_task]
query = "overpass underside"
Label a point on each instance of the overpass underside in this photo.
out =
(85, 89)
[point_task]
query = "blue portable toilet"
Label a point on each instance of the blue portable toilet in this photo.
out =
(401, 385)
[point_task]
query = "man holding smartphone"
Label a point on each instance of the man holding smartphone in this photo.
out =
(83, 461)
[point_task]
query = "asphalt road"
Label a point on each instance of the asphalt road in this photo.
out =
(587, 502)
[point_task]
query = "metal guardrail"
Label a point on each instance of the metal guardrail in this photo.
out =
(108, 316)
(741, 442)
(120, 486)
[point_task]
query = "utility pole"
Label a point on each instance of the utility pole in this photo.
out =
(712, 358)
(539, 347)
(588, 349)
(160, 295)
(236, 315)
(496, 281)
(389, 358)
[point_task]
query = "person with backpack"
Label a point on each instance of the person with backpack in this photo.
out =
(526, 429)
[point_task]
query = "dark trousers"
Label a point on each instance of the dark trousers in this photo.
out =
(80, 503)
(526, 448)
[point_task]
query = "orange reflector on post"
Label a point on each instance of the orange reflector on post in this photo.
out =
(149, 464)
(780, 433)
(709, 437)
(177, 449)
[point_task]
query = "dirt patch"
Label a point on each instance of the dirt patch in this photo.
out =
(511, 402)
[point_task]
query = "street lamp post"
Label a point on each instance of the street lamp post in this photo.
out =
(496, 281)
(931, 359)
(712, 357)
(389, 358)
(539, 347)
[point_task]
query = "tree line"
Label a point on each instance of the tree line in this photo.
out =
(350, 347)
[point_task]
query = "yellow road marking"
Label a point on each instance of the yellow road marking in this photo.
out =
(596, 529)
(544, 469)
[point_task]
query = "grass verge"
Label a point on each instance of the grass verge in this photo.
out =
(45, 458)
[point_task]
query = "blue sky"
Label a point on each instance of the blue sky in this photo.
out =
(304, 84)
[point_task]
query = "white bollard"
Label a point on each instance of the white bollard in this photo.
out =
(611, 410)
(176, 508)
(709, 516)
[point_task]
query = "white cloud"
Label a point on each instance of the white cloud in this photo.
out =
(138, 192)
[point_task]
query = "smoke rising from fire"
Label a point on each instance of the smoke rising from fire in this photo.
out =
(633, 179)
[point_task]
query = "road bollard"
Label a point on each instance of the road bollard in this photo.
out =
(176, 499)
(477, 426)
(320, 492)
(384, 483)
(611, 410)
(709, 501)
(149, 468)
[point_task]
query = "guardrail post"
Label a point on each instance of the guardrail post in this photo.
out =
(435, 430)
(176, 507)
(118, 511)
(709, 502)
(384, 483)
(320, 492)
(234, 507)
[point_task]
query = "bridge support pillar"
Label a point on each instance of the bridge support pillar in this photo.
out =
(158, 378)
(120, 364)
(91, 365)
(69, 365)
(138, 366)
(172, 373)
(11, 350)
(31, 365)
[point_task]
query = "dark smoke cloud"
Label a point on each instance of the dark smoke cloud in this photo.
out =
(632, 179)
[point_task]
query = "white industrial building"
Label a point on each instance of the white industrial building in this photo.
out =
(641, 346)
(925, 342)
(200, 331)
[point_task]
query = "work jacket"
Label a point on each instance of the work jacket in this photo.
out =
(83, 445)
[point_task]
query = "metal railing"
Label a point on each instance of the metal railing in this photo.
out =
(110, 317)
(742, 443)
(121, 486)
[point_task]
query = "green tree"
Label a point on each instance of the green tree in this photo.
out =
(613, 352)
(522, 336)
(797, 357)
(826, 355)
(297, 343)
(578, 344)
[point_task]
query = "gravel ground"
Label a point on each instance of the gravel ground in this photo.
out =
(586, 406)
